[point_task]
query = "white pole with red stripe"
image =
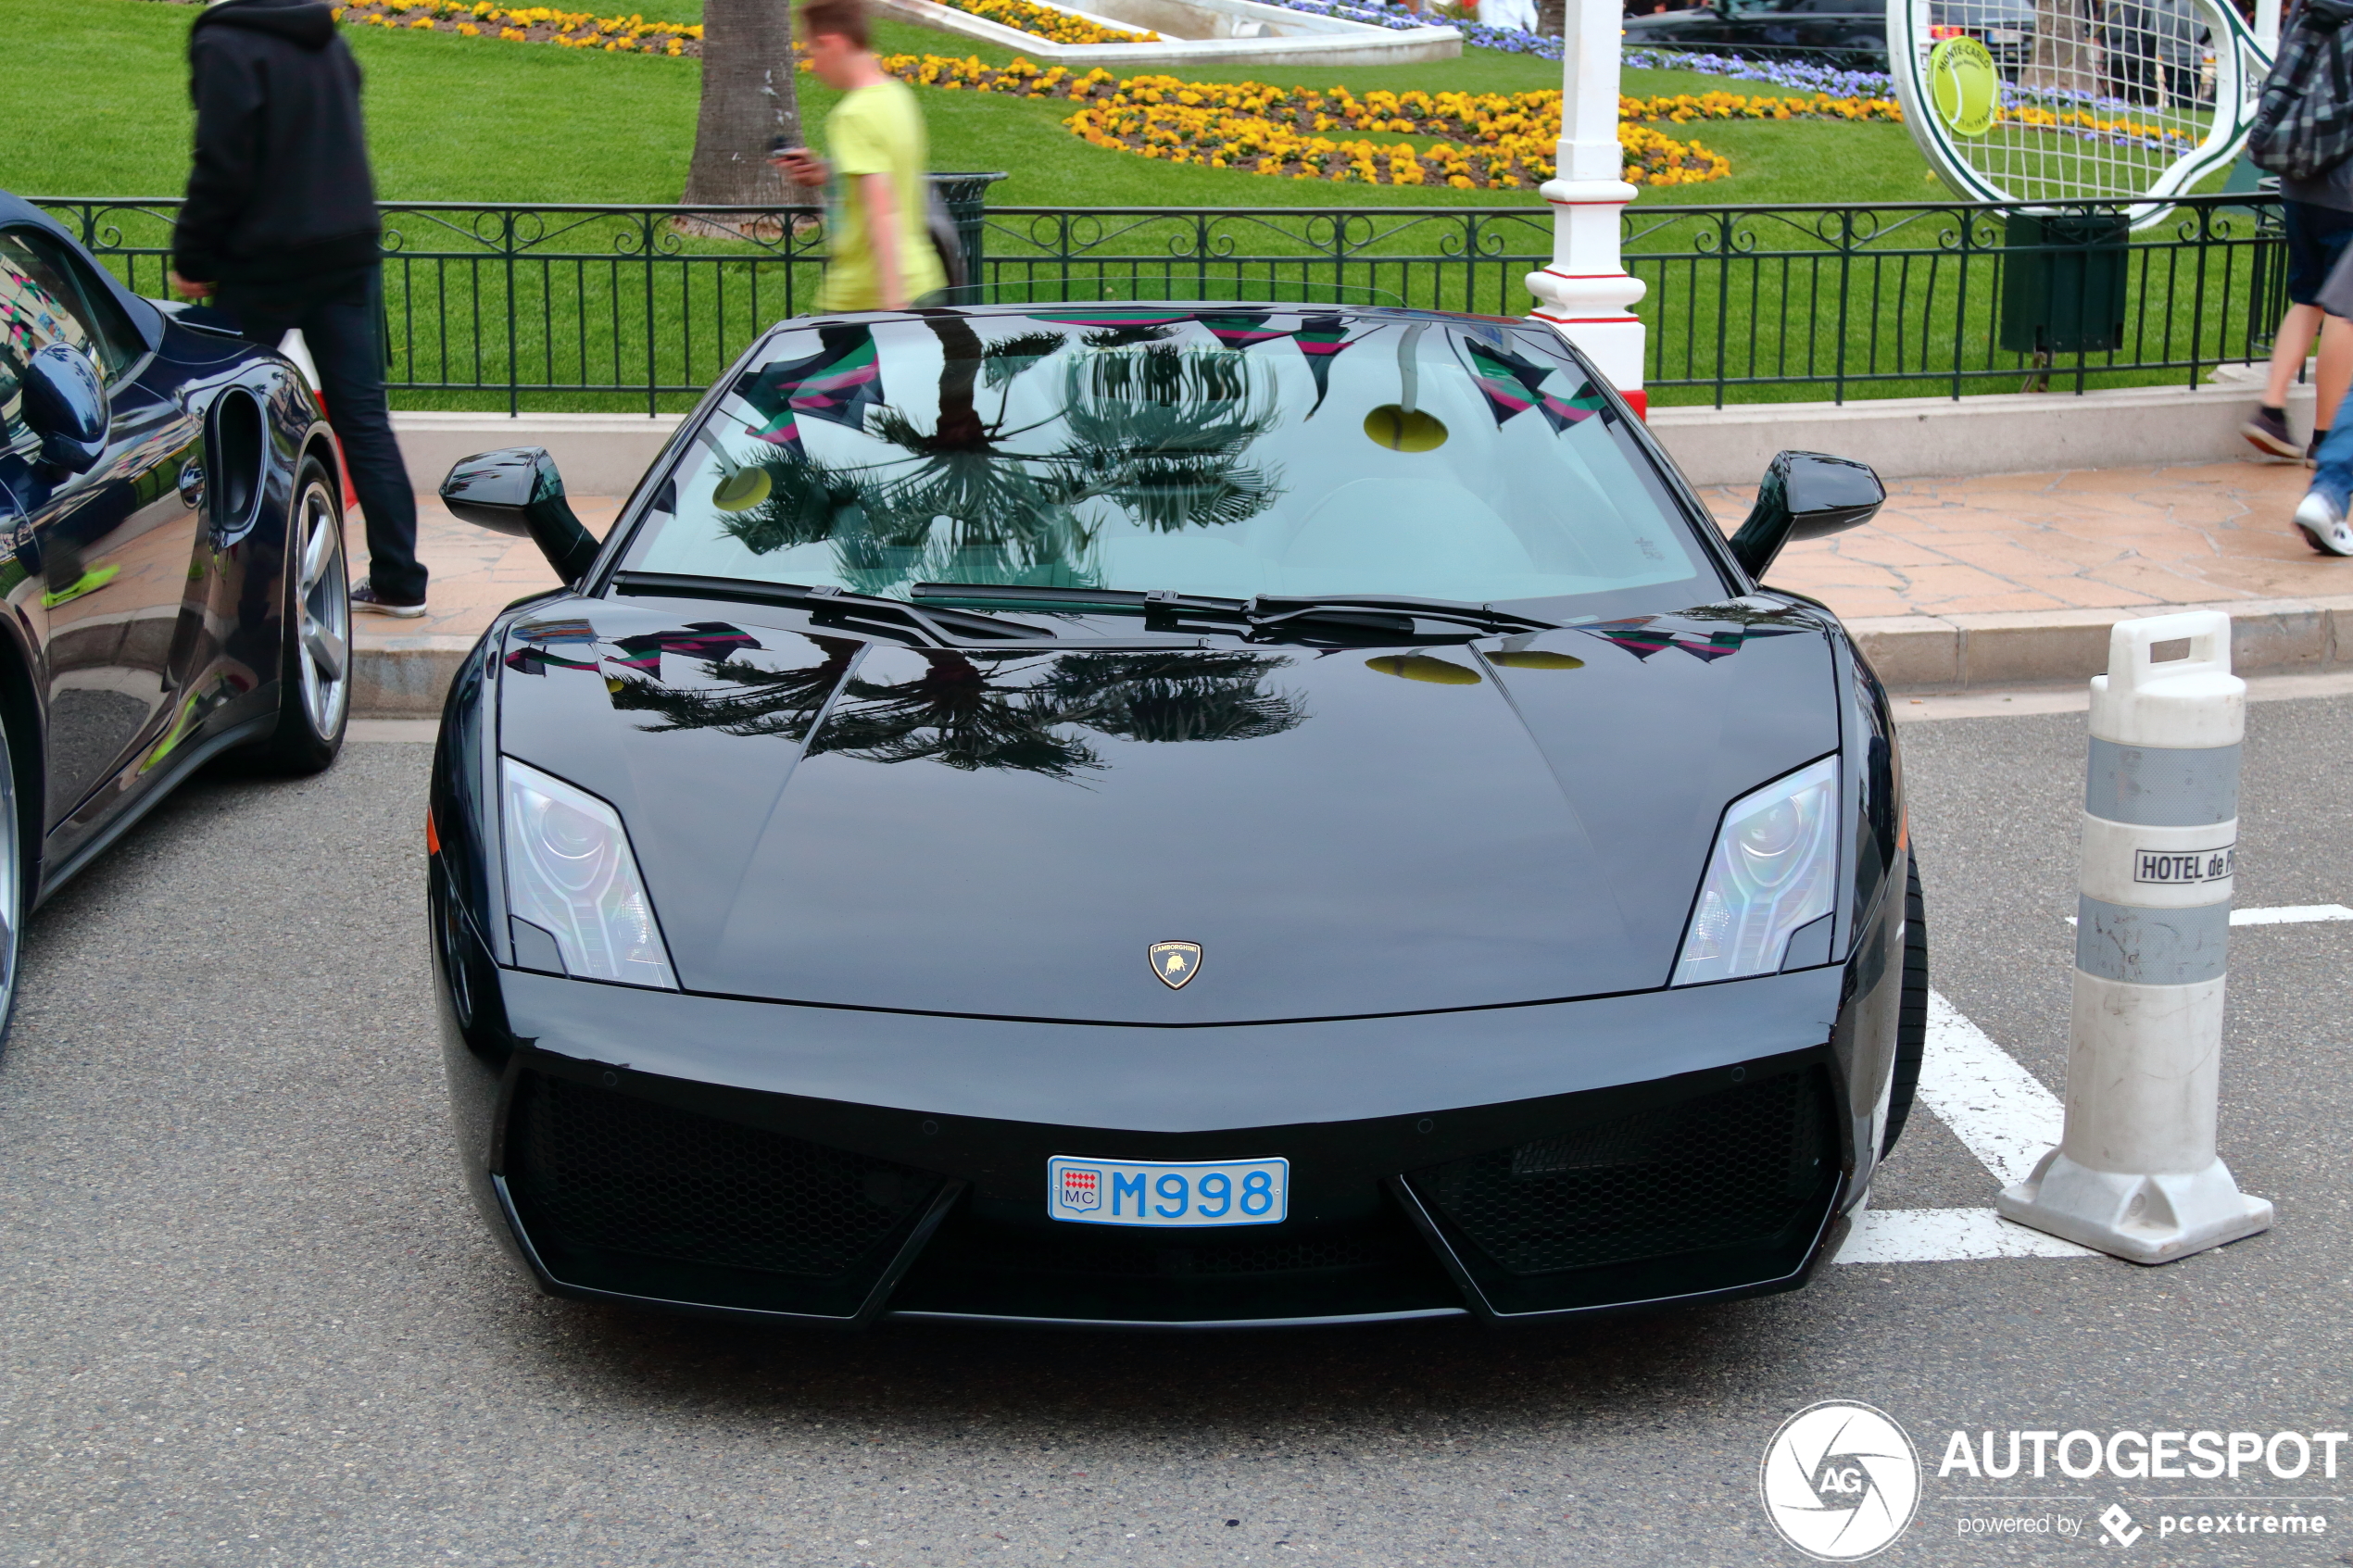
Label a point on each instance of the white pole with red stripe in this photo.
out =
(1586, 293)
(296, 347)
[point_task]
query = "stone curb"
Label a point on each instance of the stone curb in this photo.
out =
(396, 677)
(1934, 653)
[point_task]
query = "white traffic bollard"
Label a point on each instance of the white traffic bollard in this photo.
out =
(2136, 1174)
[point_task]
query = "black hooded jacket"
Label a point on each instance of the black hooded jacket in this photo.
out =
(281, 190)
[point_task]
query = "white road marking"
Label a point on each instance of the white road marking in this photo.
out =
(1996, 1107)
(2076, 697)
(2291, 914)
(2005, 1116)
(2283, 915)
(1939, 1236)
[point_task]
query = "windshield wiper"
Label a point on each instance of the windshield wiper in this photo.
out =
(1352, 617)
(1269, 610)
(837, 607)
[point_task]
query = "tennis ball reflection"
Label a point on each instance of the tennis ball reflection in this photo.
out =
(742, 490)
(1404, 430)
(1421, 667)
(1535, 659)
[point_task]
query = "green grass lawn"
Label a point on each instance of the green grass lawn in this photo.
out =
(483, 120)
(480, 120)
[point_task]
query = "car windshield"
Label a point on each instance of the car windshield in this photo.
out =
(1221, 453)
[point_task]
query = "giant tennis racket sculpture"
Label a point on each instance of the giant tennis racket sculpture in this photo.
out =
(2129, 101)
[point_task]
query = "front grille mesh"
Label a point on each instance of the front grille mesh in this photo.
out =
(1736, 1166)
(1097, 1252)
(591, 1168)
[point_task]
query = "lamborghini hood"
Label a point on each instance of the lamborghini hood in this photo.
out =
(822, 819)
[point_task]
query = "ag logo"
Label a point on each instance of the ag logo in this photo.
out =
(1840, 1480)
(1175, 962)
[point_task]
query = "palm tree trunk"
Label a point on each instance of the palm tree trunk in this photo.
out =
(2065, 52)
(747, 100)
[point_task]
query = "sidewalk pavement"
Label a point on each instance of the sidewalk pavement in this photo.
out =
(1960, 583)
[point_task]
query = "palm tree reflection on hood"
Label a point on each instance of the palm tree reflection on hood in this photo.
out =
(1158, 429)
(1014, 711)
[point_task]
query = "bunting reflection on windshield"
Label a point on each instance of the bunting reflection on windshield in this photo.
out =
(838, 383)
(1513, 386)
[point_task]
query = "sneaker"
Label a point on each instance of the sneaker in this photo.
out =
(2322, 519)
(363, 597)
(2266, 430)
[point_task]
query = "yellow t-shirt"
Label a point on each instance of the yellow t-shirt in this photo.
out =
(877, 129)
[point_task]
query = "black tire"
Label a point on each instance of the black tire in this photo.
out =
(314, 670)
(18, 837)
(1911, 1013)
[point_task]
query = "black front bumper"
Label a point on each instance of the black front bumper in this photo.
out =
(615, 1176)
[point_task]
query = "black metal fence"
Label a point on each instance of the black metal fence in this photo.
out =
(587, 307)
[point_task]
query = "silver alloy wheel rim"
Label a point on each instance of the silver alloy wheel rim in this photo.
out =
(323, 613)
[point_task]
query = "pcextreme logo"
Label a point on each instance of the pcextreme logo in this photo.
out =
(1841, 1481)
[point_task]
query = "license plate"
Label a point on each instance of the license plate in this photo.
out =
(2004, 35)
(1118, 1192)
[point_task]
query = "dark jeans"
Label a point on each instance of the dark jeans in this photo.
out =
(338, 314)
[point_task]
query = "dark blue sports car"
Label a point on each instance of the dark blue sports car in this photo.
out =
(172, 551)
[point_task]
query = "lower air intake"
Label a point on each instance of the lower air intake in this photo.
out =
(1745, 1168)
(606, 1183)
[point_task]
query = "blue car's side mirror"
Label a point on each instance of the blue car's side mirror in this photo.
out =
(65, 404)
(517, 491)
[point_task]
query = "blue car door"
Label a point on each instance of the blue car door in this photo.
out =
(115, 547)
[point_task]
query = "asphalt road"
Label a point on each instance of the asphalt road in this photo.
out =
(247, 1317)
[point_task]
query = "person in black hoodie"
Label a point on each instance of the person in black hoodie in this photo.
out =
(280, 231)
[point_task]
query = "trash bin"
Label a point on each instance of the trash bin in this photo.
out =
(2063, 283)
(966, 198)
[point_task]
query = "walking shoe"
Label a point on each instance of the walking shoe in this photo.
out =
(364, 598)
(2266, 430)
(2322, 519)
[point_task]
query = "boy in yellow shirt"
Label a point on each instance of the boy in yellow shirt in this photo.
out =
(880, 254)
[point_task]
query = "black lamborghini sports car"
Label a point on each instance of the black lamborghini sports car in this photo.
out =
(171, 561)
(1169, 816)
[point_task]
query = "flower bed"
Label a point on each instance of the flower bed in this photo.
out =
(1044, 21)
(1495, 140)
(1288, 144)
(634, 35)
(529, 24)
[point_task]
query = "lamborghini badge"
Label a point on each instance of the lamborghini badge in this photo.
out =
(1175, 962)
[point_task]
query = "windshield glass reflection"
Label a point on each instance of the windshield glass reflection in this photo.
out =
(1226, 452)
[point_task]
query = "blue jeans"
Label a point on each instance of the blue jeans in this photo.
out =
(2332, 466)
(338, 314)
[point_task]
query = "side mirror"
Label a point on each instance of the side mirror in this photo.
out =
(1804, 496)
(65, 404)
(517, 491)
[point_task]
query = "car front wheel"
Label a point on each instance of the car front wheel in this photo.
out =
(314, 678)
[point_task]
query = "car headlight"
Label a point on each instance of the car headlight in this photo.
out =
(1774, 870)
(570, 873)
